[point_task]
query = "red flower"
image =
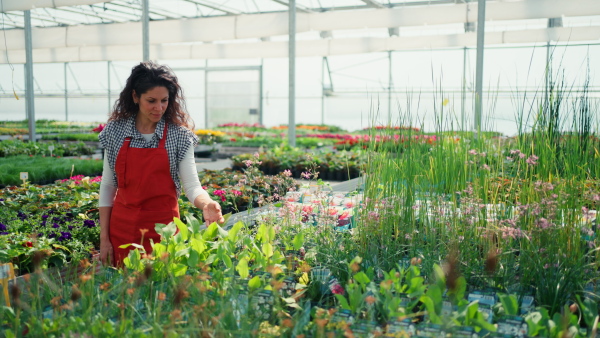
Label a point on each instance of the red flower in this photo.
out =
(27, 245)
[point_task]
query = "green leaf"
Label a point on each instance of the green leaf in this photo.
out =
(158, 249)
(362, 278)
(235, 229)
(242, 268)
(343, 302)
(433, 317)
(183, 229)
(193, 259)
(193, 222)
(267, 249)
(510, 304)
(167, 231)
(211, 232)
(254, 283)
(182, 252)
(589, 310)
(298, 241)
(197, 245)
(137, 246)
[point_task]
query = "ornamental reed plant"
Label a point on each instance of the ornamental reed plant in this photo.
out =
(515, 212)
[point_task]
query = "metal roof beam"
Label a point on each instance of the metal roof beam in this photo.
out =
(373, 3)
(217, 7)
(298, 8)
(82, 11)
(139, 9)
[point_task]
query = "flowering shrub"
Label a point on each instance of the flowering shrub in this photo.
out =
(207, 136)
(99, 128)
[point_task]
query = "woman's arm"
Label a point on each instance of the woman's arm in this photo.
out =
(106, 249)
(211, 210)
(107, 196)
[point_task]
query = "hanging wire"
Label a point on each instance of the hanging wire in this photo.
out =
(12, 68)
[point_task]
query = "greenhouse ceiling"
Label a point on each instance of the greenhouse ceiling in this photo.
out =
(89, 30)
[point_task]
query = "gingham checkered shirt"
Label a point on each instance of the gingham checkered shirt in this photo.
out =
(179, 139)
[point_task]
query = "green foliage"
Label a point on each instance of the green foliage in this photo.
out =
(45, 170)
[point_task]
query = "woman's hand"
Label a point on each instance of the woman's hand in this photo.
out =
(106, 252)
(212, 213)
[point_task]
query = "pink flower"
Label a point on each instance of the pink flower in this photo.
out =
(307, 209)
(337, 289)
(237, 192)
(306, 175)
(248, 163)
(287, 173)
(532, 160)
(219, 193)
(349, 205)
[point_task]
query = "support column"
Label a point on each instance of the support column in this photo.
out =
(463, 91)
(390, 83)
(29, 95)
(206, 94)
(323, 91)
(66, 93)
(479, 69)
(108, 80)
(292, 74)
(146, 29)
(260, 93)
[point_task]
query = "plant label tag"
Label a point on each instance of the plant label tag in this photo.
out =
(513, 325)
(447, 308)
(24, 176)
(50, 148)
(320, 274)
(7, 272)
(487, 298)
(262, 304)
(343, 315)
(430, 330)
(289, 287)
(404, 300)
(464, 332)
(401, 328)
(366, 329)
(487, 312)
(526, 304)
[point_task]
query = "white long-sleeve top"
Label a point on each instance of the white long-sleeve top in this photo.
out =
(188, 174)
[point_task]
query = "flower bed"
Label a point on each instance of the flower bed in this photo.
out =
(342, 165)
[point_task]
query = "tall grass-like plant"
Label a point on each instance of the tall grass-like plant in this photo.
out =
(508, 210)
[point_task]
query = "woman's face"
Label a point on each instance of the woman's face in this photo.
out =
(152, 103)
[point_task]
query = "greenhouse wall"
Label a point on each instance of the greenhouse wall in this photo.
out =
(425, 84)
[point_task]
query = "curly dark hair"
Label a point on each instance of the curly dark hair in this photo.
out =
(145, 76)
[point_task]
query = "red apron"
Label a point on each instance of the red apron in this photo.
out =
(146, 195)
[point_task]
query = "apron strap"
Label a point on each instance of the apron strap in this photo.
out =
(121, 166)
(163, 140)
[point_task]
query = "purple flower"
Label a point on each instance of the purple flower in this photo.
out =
(3, 233)
(44, 216)
(88, 223)
(70, 227)
(55, 225)
(21, 215)
(52, 235)
(64, 236)
(3, 227)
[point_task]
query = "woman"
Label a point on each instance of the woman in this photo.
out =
(149, 147)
